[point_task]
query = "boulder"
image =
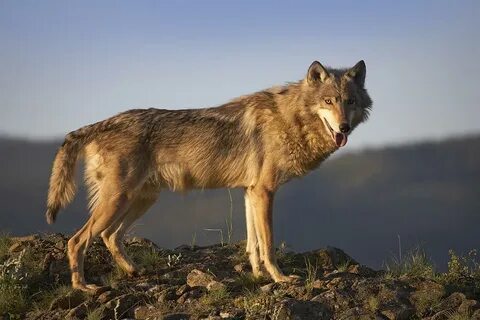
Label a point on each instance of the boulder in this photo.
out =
(197, 278)
(292, 309)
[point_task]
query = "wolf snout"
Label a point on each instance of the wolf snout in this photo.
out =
(344, 127)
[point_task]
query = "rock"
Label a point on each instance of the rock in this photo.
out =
(318, 284)
(291, 309)
(267, 288)
(476, 315)
(452, 302)
(167, 295)
(106, 296)
(241, 267)
(468, 306)
(145, 312)
(361, 270)
(176, 316)
(183, 298)
(215, 286)
(123, 306)
(357, 314)
(79, 312)
(226, 315)
(188, 296)
(184, 247)
(29, 238)
(196, 292)
(69, 301)
(331, 258)
(144, 286)
(174, 278)
(61, 245)
(400, 313)
(197, 278)
(139, 241)
(426, 295)
(182, 289)
(342, 289)
(155, 289)
(15, 247)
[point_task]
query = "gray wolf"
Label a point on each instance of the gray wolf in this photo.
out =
(256, 142)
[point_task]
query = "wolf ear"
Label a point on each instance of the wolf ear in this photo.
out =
(358, 73)
(316, 73)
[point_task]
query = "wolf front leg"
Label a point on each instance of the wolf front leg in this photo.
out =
(253, 249)
(261, 201)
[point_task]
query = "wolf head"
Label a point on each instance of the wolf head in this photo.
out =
(338, 97)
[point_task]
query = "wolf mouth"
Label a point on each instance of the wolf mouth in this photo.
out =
(339, 138)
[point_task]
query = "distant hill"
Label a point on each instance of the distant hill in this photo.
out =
(426, 193)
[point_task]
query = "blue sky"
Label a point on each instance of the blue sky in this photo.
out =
(64, 64)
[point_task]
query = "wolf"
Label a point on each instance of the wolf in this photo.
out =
(256, 142)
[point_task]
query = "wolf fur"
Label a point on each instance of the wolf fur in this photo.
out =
(256, 142)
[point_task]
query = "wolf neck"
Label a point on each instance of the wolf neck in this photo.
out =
(307, 141)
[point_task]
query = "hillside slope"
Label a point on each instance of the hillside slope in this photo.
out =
(215, 283)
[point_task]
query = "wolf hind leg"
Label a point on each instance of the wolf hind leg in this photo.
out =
(107, 211)
(111, 193)
(113, 235)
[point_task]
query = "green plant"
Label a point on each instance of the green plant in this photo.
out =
(459, 316)
(284, 254)
(463, 274)
(114, 276)
(462, 266)
(426, 301)
(13, 297)
(150, 259)
(95, 314)
(215, 298)
(259, 305)
(311, 271)
(5, 243)
(173, 259)
(248, 282)
(373, 304)
(415, 264)
(343, 266)
(18, 278)
(44, 299)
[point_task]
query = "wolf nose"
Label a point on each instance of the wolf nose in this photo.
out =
(344, 128)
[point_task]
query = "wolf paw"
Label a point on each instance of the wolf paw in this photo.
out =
(288, 279)
(92, 289)
(137, 272)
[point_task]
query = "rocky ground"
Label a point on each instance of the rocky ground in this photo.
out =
(215, 283)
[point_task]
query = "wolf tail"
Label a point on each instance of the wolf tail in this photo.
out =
(62, 180)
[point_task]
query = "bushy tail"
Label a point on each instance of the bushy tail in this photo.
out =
(62, 181)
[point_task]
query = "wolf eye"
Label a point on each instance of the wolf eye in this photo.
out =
(350, 101)
(328, 101)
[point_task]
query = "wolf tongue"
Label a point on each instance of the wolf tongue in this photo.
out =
(340, 139)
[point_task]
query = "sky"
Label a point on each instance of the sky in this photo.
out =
(65, 64)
